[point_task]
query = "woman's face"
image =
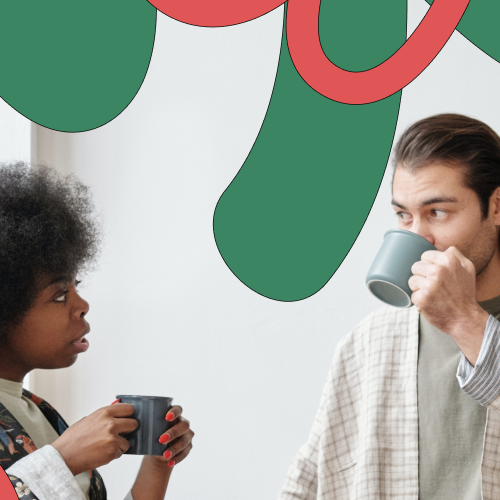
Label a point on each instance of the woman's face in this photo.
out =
(51, 334)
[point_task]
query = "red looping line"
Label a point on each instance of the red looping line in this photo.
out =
(377, 83)
(316, 69)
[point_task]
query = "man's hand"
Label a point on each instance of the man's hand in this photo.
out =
(444, 292)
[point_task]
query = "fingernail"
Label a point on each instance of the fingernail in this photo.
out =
(170, 416)
(164, 438)
(167, 455)
(171, 463)
(116, 401)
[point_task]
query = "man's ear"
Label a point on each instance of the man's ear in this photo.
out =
(495, 206)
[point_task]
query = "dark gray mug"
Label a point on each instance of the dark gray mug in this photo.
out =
(388, 276)
(150, 412)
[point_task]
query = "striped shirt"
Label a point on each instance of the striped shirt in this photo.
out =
(482, 381)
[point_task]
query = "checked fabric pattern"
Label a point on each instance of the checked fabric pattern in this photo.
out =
(364, 442)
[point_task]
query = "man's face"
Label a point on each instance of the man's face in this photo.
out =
(434, 203)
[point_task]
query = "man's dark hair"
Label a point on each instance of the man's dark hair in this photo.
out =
(457, 141)
(47, 229)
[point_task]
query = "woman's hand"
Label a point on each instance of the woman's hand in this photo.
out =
(154, 474)
(95, 440)
(178, 438)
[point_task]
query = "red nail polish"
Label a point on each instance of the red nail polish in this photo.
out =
(171, 463)
(170, 416)
(164, 438)
(167, 455)
(116, 401)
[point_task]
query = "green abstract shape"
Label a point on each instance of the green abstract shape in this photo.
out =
(480, 24)
(74, 66)
(291, 215)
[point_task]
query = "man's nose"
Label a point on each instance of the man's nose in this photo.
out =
(423, 230)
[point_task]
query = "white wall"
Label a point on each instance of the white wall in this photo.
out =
(168, 317)
(15, 134)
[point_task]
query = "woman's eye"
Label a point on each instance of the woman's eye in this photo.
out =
(62, 297)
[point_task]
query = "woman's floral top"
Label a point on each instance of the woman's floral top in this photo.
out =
(21, 489)
(15, 444)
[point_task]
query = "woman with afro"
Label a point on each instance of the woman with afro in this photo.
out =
(48, 236)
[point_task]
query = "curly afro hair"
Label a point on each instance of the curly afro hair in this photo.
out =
(47, 229)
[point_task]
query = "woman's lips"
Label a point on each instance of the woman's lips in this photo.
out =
(81, 344)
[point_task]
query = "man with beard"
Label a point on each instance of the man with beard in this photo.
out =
(393, 421)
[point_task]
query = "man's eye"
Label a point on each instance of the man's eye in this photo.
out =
(439, 214)
(403, 216)
(62, 297)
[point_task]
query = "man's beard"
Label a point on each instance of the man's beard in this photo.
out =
(481, 257)
(485, 266)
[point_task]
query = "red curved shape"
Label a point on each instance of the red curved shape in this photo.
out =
(7, 491)
(392, 75)
(215, 13)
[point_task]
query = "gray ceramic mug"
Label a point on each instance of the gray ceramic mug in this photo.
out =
(150, 412)
(388, 276)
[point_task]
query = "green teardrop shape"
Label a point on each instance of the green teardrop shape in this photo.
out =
(291, 215)
(479, 24)
(74, 66)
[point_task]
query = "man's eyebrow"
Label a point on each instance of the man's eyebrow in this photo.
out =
(430, 201)
(396, 204)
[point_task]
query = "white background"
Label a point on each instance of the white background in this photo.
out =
(168, 317)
